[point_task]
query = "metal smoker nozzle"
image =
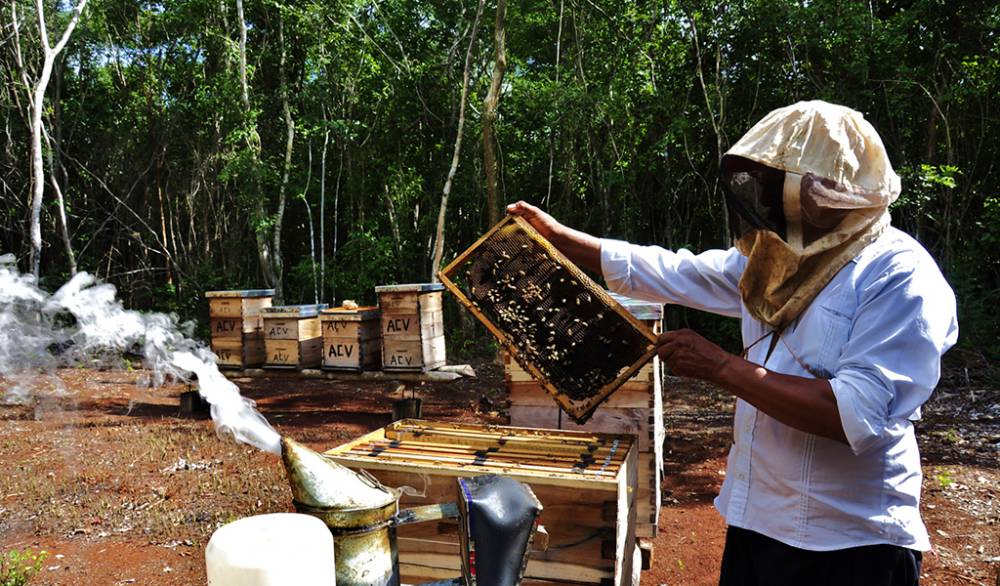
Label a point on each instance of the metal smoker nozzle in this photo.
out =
(321, 483)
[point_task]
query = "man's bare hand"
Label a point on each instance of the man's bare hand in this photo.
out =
(546, 225)
(689, 354)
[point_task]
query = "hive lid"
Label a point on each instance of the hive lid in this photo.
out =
(410, 288)
(294, 310)
(350, 314)
(244, 293)
(640, 309)
(576, 340)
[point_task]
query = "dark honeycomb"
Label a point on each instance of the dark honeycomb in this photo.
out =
(555, 316)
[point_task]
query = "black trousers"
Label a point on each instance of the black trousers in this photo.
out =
(752, 559)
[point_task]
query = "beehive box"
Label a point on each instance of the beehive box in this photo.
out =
(412, 326)
(292, 336)
(635, 408)
(585, 482)
(352, 338)
(235, 326)
(559, 325)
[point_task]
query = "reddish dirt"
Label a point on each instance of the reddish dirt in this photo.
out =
(120, 488)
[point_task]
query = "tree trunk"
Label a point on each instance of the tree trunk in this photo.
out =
(717, 118)
(394, 226)
(439, 233)
(490, 106)
(278, 260)
(163, 215)
(244, 89)
(552, 132)
(61, 203)
(37, 107)
(322, 210)
(264, 252)
(57, 172)
(336, 219)
(309, 217)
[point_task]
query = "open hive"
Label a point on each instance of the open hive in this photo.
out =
(585, 481)
(553, 319)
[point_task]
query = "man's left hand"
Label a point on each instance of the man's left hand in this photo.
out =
(689, 354)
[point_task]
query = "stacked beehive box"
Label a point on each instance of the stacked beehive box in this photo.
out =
(352, 338)
(585, 482)
(235, 320)
(635, 408)
(292, 336)
(412, 326)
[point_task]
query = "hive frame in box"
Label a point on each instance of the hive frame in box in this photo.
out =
(585, 481)
(580, 411)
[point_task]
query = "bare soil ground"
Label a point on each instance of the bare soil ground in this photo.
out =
(121, 488)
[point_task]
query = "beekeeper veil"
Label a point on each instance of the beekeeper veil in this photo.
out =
(808, 187)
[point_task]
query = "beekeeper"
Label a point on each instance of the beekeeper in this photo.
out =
(844, 321)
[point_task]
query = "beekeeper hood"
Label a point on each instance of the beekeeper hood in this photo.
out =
(809, 187)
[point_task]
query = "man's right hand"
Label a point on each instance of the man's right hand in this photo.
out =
(583, 249)
(546, 225)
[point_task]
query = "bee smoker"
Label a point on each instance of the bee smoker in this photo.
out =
(497, 518)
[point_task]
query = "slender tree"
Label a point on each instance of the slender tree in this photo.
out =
(278, 259)
(49, 54)
(457, 150)
(490, 106)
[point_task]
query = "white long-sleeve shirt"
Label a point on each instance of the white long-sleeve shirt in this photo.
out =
(877, 332)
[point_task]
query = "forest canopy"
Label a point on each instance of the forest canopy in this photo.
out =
(188, 145)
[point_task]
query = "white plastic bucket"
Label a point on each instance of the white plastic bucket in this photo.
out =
(271, 550)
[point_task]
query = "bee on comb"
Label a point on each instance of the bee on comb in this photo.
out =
(562, 327)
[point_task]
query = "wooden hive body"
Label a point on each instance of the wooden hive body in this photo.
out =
(352, 338)
(412, 326)
(635, 408)
(585, 482)
(293, 337)
(235, 322)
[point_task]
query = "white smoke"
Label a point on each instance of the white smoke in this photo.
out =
(83, 324)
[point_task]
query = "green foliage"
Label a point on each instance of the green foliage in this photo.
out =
(18, 566)
(476, 343)
(944, 478)
(613, 116)
(366, 260)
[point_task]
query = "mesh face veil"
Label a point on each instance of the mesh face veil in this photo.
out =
(753, 196)
(797, 208)
(808, 187)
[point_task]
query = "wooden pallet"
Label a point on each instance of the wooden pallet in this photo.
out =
(586, 483)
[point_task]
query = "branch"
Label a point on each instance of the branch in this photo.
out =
(40, 10)
(77, 12)
(937, 107)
